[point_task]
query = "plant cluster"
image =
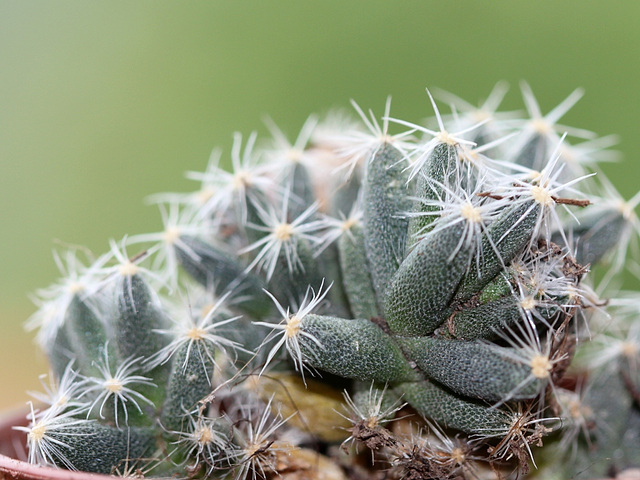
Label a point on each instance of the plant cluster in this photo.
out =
(359, 304)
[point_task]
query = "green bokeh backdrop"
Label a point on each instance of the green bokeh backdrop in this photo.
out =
(105, 102)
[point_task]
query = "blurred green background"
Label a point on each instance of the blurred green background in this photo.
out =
(104, 103)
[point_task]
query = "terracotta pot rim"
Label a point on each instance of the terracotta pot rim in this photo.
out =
(24, 470)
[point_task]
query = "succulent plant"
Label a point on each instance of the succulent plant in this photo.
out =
(421, 300)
